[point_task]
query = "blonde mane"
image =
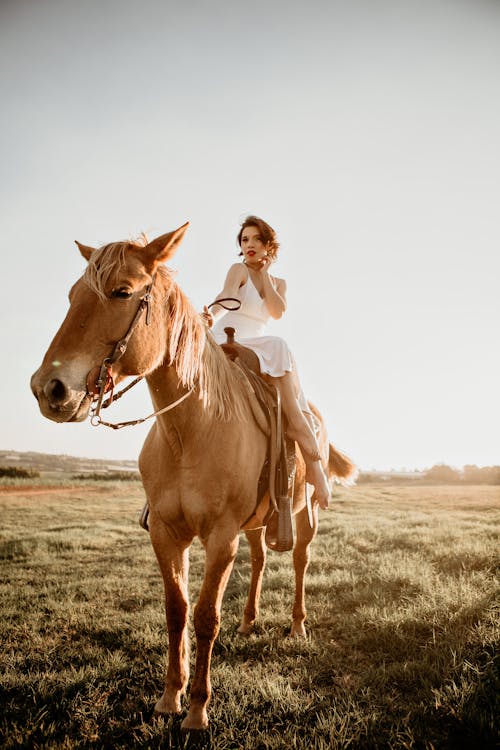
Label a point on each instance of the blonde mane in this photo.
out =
(106, 261)
(196, 357)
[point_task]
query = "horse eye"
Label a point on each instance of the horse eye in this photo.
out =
(121, 293)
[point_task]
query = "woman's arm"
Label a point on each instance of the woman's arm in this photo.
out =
(234, 279)
(274, 295)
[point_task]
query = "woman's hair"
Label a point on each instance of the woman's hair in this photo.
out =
(267, 234)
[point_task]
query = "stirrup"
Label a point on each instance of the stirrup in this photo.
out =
(279, 528)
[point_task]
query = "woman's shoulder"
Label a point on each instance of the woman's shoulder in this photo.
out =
(279, 284)
(237, 270)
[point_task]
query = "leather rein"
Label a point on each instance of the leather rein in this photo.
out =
(105, 381)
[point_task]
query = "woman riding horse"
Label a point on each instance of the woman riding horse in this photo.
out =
(263, 296)
(201, 461)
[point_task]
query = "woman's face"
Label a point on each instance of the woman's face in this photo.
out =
(252, 246)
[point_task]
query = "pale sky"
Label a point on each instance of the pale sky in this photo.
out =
(365, 131)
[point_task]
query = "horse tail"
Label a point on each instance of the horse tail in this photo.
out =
(340, 467)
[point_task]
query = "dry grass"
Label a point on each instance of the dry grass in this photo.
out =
(402, 627)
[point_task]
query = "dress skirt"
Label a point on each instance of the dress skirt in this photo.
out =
(275, 358)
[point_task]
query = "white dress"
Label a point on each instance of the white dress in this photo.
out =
(249, 322)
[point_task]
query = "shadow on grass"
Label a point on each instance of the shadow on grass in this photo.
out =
(442, 669)
(90, 715)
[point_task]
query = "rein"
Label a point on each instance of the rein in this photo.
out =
(96, 420)
(226, 299)
(105, 381)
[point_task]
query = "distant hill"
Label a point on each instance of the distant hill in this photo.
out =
(49, 463)
(63, 464)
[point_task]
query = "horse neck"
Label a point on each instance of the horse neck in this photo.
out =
(196, 417)
(165, 389)
(176, 335)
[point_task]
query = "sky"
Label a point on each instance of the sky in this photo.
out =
(366, 132)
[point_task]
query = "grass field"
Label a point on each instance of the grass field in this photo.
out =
(402, 626)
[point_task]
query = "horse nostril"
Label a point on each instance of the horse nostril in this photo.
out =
(55, 390)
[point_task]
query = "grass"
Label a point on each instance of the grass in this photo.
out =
(403, 629)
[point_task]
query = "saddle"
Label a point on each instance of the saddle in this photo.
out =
(278, 471)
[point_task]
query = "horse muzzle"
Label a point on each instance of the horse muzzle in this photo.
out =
(58, 399)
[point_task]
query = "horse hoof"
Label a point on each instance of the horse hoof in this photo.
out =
(195, 721)
(298, 631)
(245, 628)
(244, 631)
(167, 708)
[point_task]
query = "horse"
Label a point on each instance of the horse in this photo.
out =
(201, 460)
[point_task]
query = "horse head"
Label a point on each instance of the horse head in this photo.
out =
(103, 307)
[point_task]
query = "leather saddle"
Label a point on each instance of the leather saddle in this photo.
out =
(278, 472)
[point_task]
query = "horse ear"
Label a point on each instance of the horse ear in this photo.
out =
(85, 250)
(163, 248)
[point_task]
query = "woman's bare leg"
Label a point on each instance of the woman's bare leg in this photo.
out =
(299, 430)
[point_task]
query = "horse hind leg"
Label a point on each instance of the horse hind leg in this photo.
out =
(301, 556)
(220, 553)
(174, 562)
(258, 556)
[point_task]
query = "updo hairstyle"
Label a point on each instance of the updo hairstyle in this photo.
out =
(267, 234)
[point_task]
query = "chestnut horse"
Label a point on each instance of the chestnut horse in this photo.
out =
(201, 461)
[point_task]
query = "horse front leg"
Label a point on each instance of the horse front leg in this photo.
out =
(220, 550)
(258, 556)
(301, 557)
(172, 555)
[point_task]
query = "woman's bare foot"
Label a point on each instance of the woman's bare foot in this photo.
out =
(304, 436)
(316, 476)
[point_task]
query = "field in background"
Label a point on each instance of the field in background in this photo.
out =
(402, 626)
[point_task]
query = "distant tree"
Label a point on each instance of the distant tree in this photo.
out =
(472, 474)
(485, 475)
(112, 476)
(443, 473)
(17, 473)
(366, 477)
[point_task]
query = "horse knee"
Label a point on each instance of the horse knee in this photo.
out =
(177, 614)
(206, 622)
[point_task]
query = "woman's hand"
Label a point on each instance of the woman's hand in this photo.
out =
(264, 264)
(207, 317)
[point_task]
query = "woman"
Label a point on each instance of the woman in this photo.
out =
(263, 296)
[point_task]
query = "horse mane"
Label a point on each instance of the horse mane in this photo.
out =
(105, 261)
(196, 357)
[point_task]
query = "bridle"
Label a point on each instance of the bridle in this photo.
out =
(105, 381)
